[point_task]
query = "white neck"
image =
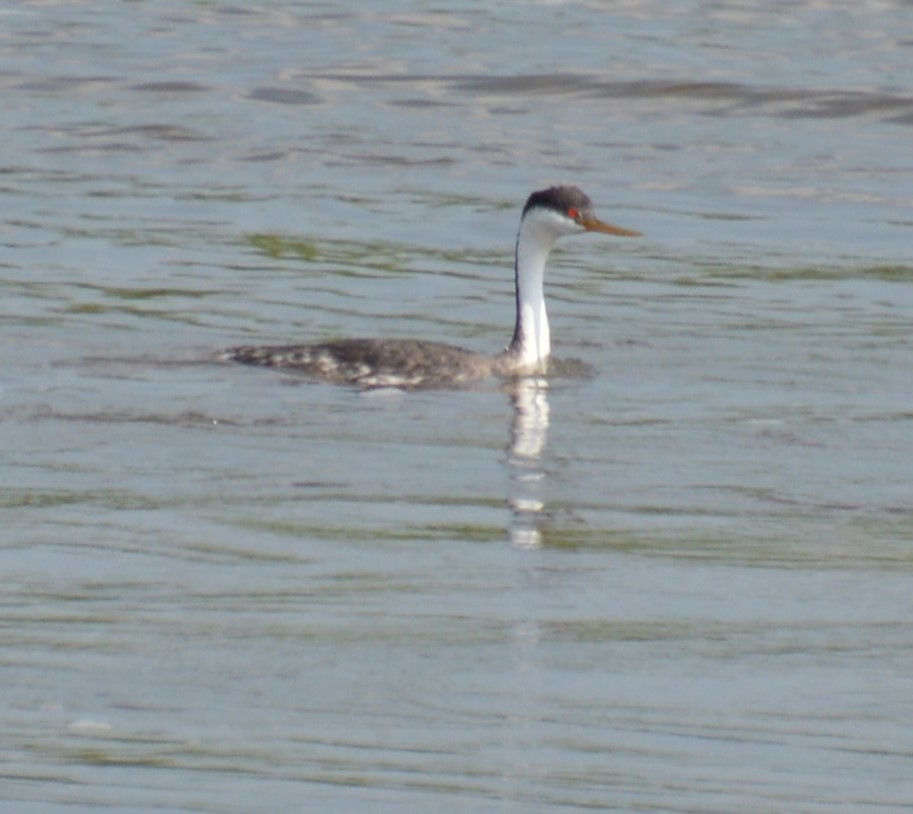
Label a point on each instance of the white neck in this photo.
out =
(539, 230)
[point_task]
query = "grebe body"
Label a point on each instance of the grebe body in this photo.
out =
(549, 215)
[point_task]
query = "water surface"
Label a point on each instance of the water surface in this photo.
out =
(675, 577)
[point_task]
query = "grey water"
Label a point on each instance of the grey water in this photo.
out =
(676, 575)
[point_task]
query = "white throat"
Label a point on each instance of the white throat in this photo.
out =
(539, 230)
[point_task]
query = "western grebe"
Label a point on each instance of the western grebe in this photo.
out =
(548, 215)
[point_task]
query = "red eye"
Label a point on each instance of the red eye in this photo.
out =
(573, 214)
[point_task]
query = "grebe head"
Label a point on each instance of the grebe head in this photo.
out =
(566, 210)
(549, 214)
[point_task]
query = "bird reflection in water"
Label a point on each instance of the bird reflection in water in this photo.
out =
(528, 436)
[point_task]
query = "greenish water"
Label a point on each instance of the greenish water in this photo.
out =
(675, 576)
